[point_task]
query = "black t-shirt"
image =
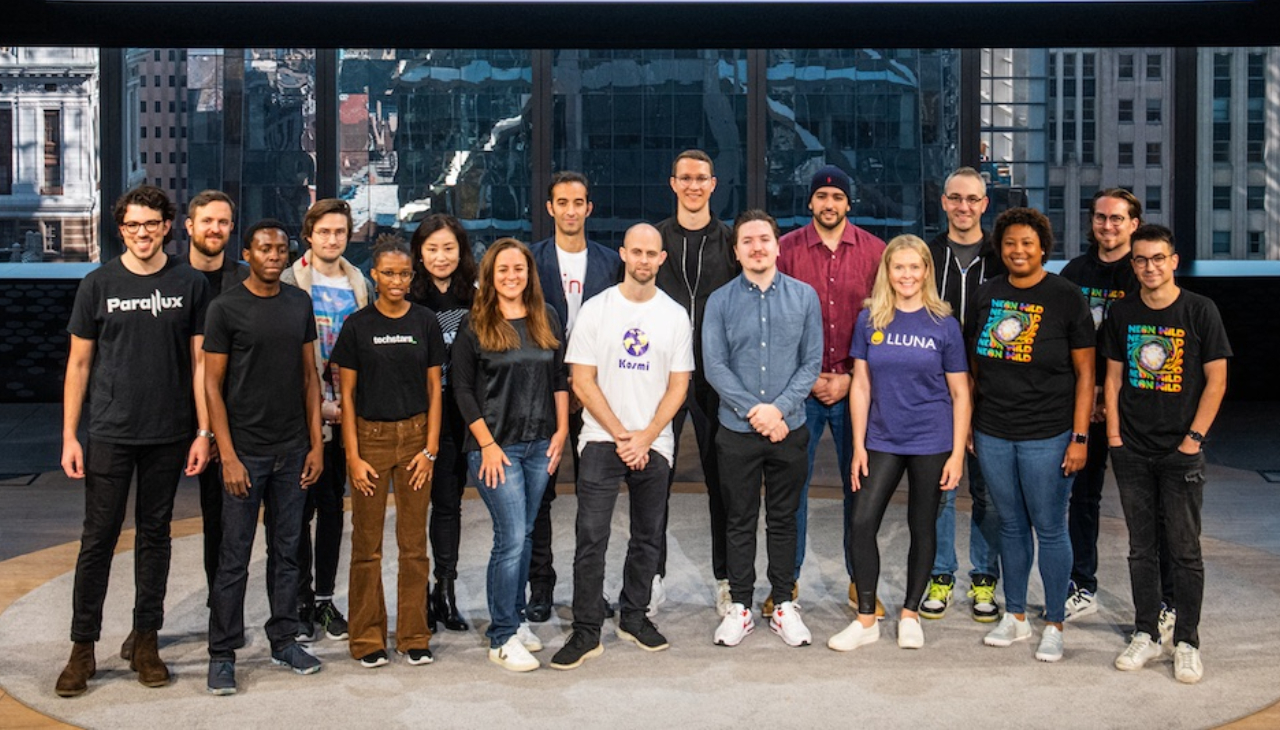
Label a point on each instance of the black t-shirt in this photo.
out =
(1021, 342)
(140, 388)
(1162, 353)
(263, 339)
(392, 357)
(1102, 284)
(449, 310)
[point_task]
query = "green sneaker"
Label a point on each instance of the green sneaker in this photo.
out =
(939, 596)
(983, 593)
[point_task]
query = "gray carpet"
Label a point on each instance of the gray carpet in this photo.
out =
(954, 680)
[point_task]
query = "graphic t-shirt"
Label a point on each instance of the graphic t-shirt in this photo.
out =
(634, 348)
(391, 356)
(573, 277)
(1102, 284)
(140, 389)
(1021, 341)
(333, 300)
(262, 338)
(1162, 353)
(911, 412)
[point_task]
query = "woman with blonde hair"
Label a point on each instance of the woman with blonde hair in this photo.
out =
(910, 409)
(512, 388)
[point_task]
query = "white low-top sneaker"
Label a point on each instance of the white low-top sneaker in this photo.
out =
(1141, 650)
(910, 634)
(513, 656)
(530, 640)
(786, 622)
(1050, 649)
(735, 626)
(1186, 664)
(724, 599)
(1009, 630)
(854, 636)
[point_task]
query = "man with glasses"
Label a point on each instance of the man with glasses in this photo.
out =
(337, 290)
(1105, 275)
(700, 259)
(136, 330)
(1166, 352)
(964, 258)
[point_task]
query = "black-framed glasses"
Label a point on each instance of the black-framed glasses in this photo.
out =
(1158, 261)
(150, 226)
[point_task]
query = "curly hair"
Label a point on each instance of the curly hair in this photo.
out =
(1033, 219)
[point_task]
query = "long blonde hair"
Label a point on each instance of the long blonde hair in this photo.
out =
(883, 300)
(492, 329)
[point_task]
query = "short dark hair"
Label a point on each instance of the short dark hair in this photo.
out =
(1031, 218)
(266, 224)
(750, 215)
(324, 207)
(145, 196)
(204, 197)
(697, 155)
(1154, 232)
(388, 245)
(567, 176)
(463, 282)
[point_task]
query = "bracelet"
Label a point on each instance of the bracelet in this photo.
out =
(205, 433)
(491, 443)
(430, 456)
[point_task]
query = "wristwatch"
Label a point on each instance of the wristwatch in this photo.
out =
(1195, 436)
(1079, 438)
(430, 456)
(206, 434)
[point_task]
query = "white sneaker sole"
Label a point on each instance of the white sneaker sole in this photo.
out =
(625, 636)
(500, 661)
(788, 640)
(736, 641)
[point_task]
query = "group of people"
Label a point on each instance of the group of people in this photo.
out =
(278, 383)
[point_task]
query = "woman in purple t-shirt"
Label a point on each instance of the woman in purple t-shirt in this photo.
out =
(910, 408)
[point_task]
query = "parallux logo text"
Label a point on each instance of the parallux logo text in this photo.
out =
(156, 303)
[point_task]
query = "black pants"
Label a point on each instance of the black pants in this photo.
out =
(747, 459)
(542, 571)
(924, 495)
(1162, 497)
(1083, 514)
(599, 481)
(448, 481)
(108, 470)
(324, 504)
(211, 518)
(702, 406)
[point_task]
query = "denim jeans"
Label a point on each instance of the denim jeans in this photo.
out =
(817, 416)
(1163, 492)
(324, 504)
(274, 481)
(513, 505)
(1031, 494)
(984, 529)
(211, 519)
(542, 570)
(1086, 504)
(701, 406)
(599, 482)
(109, 469)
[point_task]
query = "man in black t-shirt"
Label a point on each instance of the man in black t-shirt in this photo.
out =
(264, 404)
(135, 328)
(1167, 356)
(210, 220)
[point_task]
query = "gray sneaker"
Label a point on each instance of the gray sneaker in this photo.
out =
(1050, 649)
(1009, 630)
(296, 658)
(222, 677)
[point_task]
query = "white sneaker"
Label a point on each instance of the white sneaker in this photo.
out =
(724, 599)
(910, 634)
(1050, 649)
(735, 626)
(1009, 630)
(513, 656)
(786, 622)
(1186, 664)
(1168, 619)
(1080, 602)
(854, 636)
(1141, 650)
(657, 596)
(527, 638)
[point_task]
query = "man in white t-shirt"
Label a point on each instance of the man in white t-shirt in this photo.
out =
(631, 354)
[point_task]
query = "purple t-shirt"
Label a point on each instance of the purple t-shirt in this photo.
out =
(910, 401)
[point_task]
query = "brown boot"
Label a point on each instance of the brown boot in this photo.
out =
(74, 679)
(126, 649)
(146, 660)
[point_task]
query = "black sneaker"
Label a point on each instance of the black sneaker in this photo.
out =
(539, 608)
(643, 633)
(222, 677)
(307, 624)
(418, 657)
(577, 650)
(374, 660)
(296, 658)
(983, 593)
(330, 618)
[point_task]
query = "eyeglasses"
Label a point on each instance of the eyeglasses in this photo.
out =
(1115, 220)
(405, 275)
(957, 199)
(1158, 261)
(133, 226)
(319, 233)
(688, 180)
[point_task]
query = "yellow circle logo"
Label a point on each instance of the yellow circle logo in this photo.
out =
(877, 337)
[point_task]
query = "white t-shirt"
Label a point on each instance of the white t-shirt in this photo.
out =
(634, 347)
(573, 275)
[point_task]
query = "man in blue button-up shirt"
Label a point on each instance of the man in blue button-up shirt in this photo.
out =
(762, 348)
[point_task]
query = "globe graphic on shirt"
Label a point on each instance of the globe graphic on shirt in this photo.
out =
(635, 342)
(1009, 328)
(1153, 355)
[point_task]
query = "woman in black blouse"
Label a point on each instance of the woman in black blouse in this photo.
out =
(512, 388)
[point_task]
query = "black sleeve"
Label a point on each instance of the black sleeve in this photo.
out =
(200, 297)
(436, 352)
(83, 324)
(464, 372)
(216, 337)
(344, 353)
(1109, 339)
(1213, 340)
(1081, 333)
(309, 331)
(560, 378)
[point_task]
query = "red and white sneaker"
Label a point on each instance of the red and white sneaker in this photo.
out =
(735, 626)
(786, 622)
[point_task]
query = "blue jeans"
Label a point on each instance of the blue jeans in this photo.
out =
(276, 482)
(513, 505)
(817, 416)
(984, 529)
(1031, 494)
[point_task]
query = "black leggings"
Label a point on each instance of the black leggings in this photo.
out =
(884, 471)
(450, 478)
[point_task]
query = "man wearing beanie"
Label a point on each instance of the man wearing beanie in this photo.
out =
(839, 260)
